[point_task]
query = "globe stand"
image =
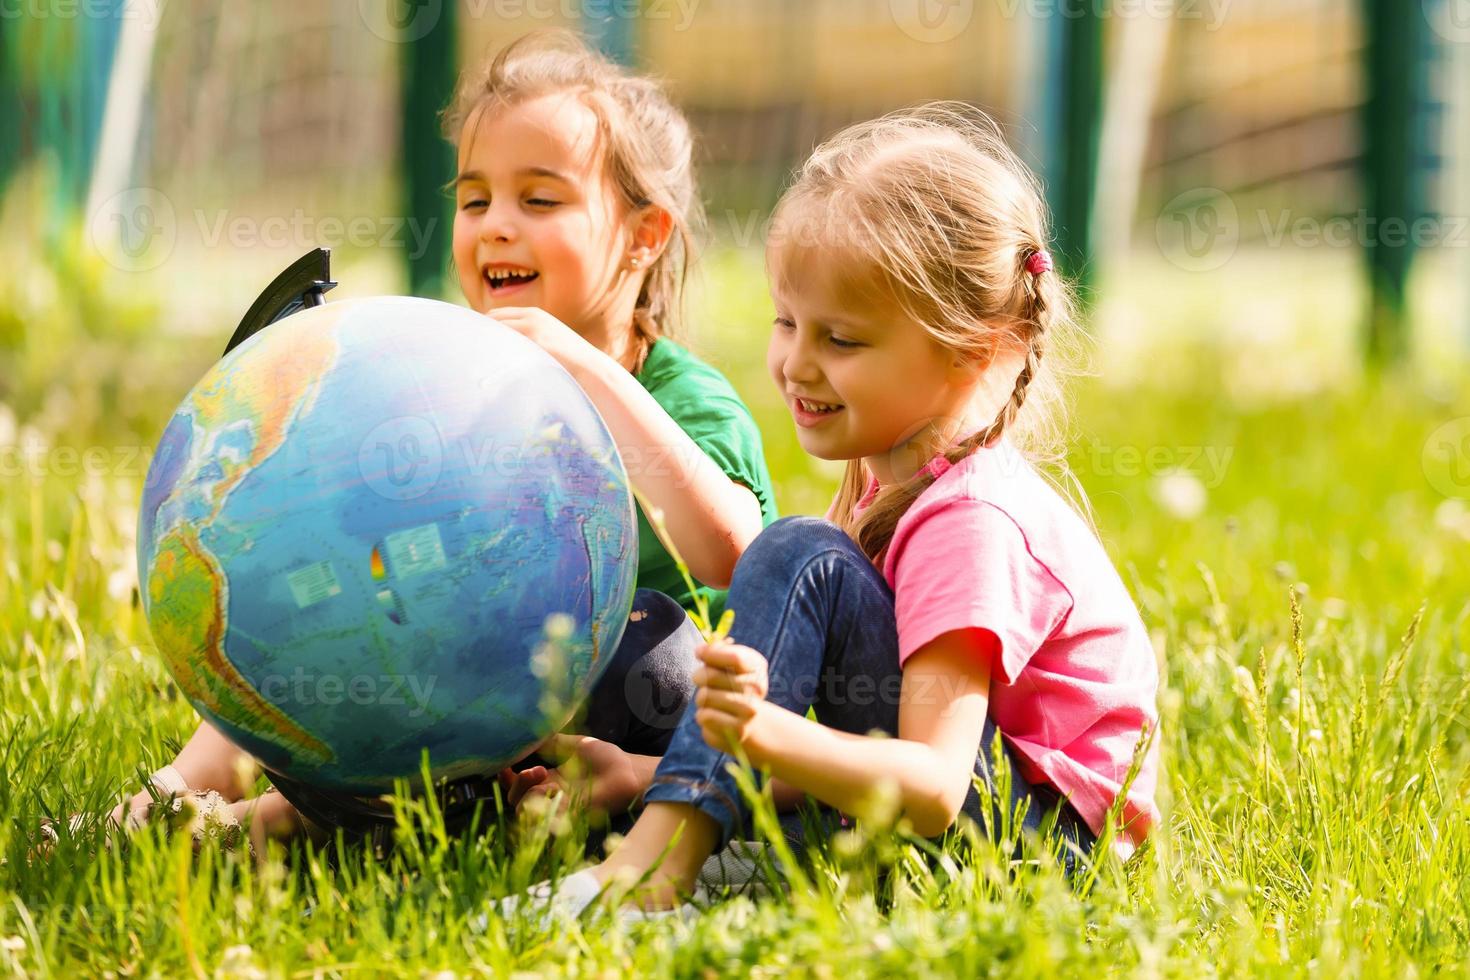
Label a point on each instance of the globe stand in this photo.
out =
(304, 283)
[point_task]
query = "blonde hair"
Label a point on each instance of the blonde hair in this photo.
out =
(944, 218)
(649, 149)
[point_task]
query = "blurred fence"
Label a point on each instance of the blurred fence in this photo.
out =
(268, 127)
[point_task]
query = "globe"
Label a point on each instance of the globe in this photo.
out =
(385, 527)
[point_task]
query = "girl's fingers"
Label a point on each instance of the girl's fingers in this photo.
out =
(724, 655)
(751, 682)
(728, 702)
(737, 660)
(553, 790)
(552, 786)
(523, 782)
(722, 680)
(732, 657)
(719, 728)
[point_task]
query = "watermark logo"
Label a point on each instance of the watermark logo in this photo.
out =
(135, 229)
(1450, 19)
(1446, 458)
(650, 698)
(400, 21)
(1199, 229)
(932, 21)
(401, 458)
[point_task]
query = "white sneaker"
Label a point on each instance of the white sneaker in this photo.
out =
(548, 902)
(683, 912)
(741, 869)
(544, 905)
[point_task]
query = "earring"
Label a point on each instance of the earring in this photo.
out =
(635, 262)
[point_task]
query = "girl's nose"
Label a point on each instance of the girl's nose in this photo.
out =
(799, 366)
(498, 225)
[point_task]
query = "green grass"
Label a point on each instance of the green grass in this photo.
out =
(1315, 768)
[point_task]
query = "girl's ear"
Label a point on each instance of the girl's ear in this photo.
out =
(652, 229)
(970, 367)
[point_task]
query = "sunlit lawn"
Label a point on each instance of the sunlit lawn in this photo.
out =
(1315, 789)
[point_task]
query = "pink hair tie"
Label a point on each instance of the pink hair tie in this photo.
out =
(1038, 262)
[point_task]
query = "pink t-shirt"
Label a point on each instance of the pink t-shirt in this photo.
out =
(991, 544)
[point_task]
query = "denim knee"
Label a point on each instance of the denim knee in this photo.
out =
(789, 543)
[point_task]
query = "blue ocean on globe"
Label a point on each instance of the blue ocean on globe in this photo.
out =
(385, 526)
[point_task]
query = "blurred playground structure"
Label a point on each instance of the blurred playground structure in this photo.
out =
(1259, 169)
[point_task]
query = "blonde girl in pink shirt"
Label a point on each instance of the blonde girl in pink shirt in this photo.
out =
(952, 593)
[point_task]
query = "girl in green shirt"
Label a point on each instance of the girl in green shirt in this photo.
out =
(575, 215)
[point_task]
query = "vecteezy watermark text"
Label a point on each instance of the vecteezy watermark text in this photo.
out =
(38, 460)
(136, 230)
(1200, 229)
(302, 688)
(150, 12)
(1207, 463)
(405, 21)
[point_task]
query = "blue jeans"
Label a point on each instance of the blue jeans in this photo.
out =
(806, 597)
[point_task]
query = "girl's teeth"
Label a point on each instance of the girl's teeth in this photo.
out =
(498, 276)
(813, 407)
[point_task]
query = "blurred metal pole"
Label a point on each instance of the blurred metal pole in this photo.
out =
(55, 72)
(1395, 79)
(12, 110)
(122, 119)
(1070, 130)
(1130, 96)
(427, 70)
(101, 30)
(1457, 186)
(608, 24)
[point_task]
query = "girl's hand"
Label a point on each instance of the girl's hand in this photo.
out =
(594, 774)
(730, 693)
(546, 332)
(130, 814)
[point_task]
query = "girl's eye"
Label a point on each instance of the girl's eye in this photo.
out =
(475, 203)
(784, 323)
(541, 202)
(844, 344)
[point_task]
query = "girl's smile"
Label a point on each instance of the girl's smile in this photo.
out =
(505, 279)
(810, 413)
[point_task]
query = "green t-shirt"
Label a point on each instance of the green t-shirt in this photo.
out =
(706, 407)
